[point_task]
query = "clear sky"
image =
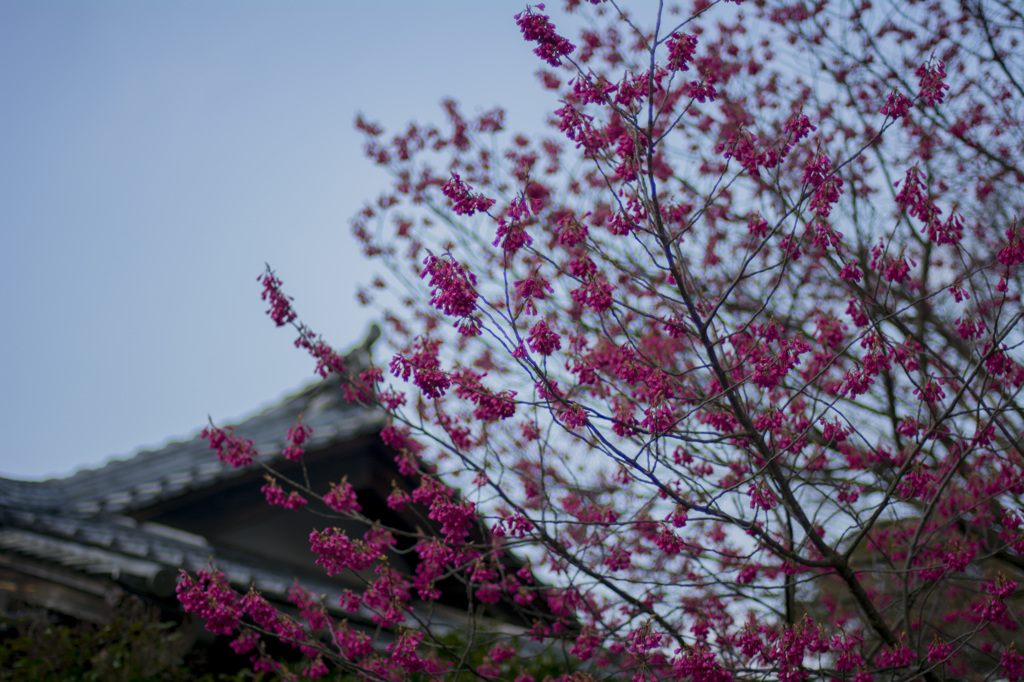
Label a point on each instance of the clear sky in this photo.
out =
(153, 155)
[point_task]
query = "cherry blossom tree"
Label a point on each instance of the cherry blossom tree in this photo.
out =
(730, 357)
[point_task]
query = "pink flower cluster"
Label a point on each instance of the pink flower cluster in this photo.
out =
(995, 609)
(455, 517)
(1013, 665)
(698, 663)
(211, 598)
(424, 367)
(595, 293)
(825, 182)
(342, 498)
(297, 435)
(311, 609)
(590, 91)
(893, 269)
(762, 497)
(536, 28)
(851, 271)
(578, 127)
(939, 651)
(898, 657)
(511, 235)
(267, 617)
(681, 47)
(770, 368)
(246, 641)
(492, 407)
(281, 312)
(702, 90)
(571, 231)
(388, 597)
(931, 392)
(1013, 252)
(532, 288)
(658, 419)
(327, 359)
(914, 199)
(543, 339)
(758, 226)
(403, 653)
(931, 81)
(275, 495)
(436, 558)
(516, 525)
(896, 105)
(453, 289)
(336, 551)
(280, 309)
(464, 202)
(235, 450)
(916, 483)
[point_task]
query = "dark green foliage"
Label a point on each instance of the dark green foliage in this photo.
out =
(134, 646)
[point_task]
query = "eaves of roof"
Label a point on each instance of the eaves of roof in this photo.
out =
(146, 555)
(148, 477)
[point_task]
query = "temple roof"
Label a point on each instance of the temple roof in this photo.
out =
(135, 522)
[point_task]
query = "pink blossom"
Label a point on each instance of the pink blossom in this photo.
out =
(342, 498)
(280, 310)
(851, 271)
(827, 186)
(931, 81)
(698, 663)
(761, 496)
(896, 105)
(236, 451)
(336, 551)
(452, 291)
(275, 496)
(1012, 664)
(512, 236)
(798, 127)
(543, 340)
(571, 231)
(595, 294)
(388, 597)
(309, 606)
(536, 28)
(658, 419)
(455, 518)
(299, 433)
(211, 599)
(464, 202)
(931, 392)
(897, 657)
(260, 610)
(1013, 252)
(245, 642)
(424, 367)
(327, 359)
(758, 226)
(403, 651)
(702, 90)
(491, 407)
(681, 47)
(578, 128)
(913, 197)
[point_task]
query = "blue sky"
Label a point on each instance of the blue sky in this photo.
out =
(154, 155)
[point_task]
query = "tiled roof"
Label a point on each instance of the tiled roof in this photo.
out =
(102, 523)
(83, 521)
(121, 549)
(152, 476)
